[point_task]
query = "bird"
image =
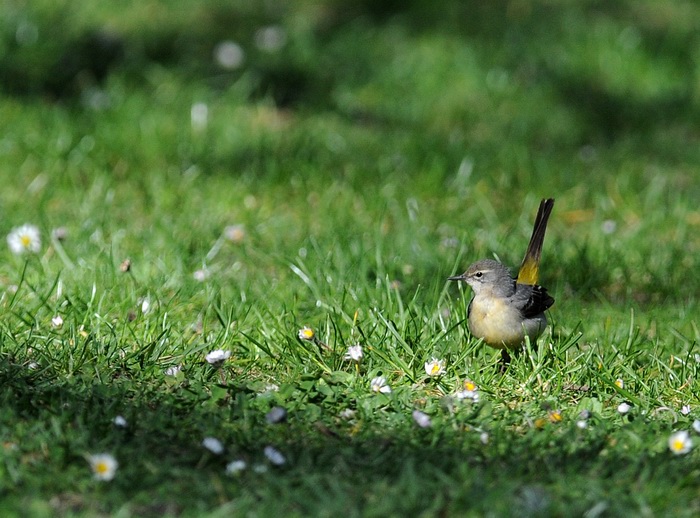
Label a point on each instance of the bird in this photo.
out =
(505, 311)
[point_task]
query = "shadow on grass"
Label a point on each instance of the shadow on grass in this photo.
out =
(372, 469)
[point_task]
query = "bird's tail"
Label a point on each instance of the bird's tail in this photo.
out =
(530, 268)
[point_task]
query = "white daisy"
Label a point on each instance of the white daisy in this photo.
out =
(696, 425)
(435, 367)
(623, 408)
(174, 370)
(214, 445)
(379, 384)
(218, 356)
(680, 442)
(24, 239)
(354, 353)
(274, 456)
(57, 321)
(236, 466)
(103, 465)
(306, 333)
(422, 419)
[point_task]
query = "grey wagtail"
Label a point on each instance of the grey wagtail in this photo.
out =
(505, 310)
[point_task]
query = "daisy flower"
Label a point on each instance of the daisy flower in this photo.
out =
(623, 408)
(201, 275)
(555, 416)
(213, 444)
(680, 442)
(57, 321)
(435, 367)
(469, 391)
(235, 233)
(276, 415)
(174, 370)
(306, 333)
(274, 456)
(422, 419)
(354, 353)
(199, 116)
(696, 425)
(235, 466)
(379, 384)
(103, 465)
(218, 356)
(24, 239)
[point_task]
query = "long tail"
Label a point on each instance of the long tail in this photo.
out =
(530, 268)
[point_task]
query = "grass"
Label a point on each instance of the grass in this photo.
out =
(379, 150)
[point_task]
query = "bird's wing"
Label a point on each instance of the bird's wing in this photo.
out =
(532, 299)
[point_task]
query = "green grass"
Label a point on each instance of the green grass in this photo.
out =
(381, 149)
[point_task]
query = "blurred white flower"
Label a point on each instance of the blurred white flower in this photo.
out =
(685, 409)
(422, 419)
(274, 456)
(235, 233)
(609, 226)
(354, 353)
(235, 466)
(213, 444)
(623, 408)
(270, 387)
(217, 356)
(173, 370)
(199, 116)
(57, 321)
(379, 384)
(347, 413)
(120, 422)
(276, 415)
(484, 438)
(680, 442)
(306, 333)
(696, 425)
(270, 38)
(229, 55)
(435, 367)
(24, 239)
(469, 391)
(103, 465)
(201, 275)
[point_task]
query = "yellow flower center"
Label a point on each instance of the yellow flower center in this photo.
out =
(25, 240)
(677, 445)
(101, 468)
(470, 385)
(555, 417)
(435, 369)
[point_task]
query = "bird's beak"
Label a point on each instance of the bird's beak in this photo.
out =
(456, 278)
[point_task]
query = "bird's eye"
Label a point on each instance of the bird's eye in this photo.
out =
(479, 275)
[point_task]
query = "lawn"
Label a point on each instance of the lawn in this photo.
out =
(272, 183)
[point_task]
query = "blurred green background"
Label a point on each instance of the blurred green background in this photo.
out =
(474, 109)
